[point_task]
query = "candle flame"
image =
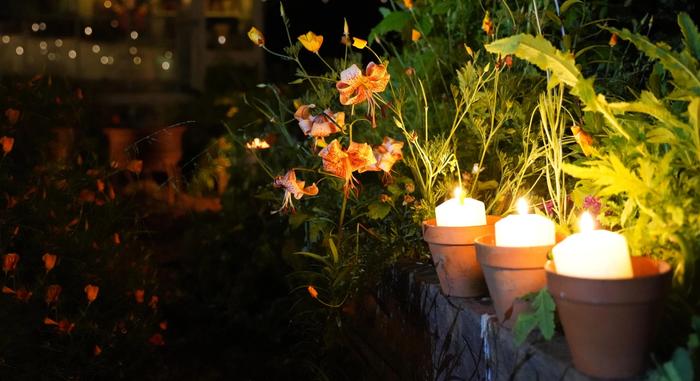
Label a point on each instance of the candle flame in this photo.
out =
(586, 222)
(522, 206)
(457, 193)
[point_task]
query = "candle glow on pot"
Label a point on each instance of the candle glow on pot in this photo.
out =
(524, 229)
(460, 211)
(593, 254)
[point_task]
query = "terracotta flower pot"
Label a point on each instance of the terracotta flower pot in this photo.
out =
(511, 272)
(609, 323)
(454, 256)
(120, 139)
(61, 146)
(165, 151)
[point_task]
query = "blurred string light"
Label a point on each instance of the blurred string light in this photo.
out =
(35, 27)
(104, 60)
(110, 60)
(221, 40)
(72, 54)
(42, 26)
(107, 4)
(5, 39)
(137, 60)
(87, 30)
(58, 43)
(168, 54)
(52, 56)
(43, 45)
(19, 50)
(133, 50)
(114, 23)
(165, 65)
(134, 34)
(96, 48)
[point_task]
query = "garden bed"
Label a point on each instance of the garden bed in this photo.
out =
(410, 330)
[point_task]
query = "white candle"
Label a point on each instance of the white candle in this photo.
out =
(525, 230)
(593, 254)
(460, 211)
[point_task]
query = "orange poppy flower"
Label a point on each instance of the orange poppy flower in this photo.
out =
(312, 291)
(86, 195)
(311, 41)
(321, 125)
(256, 36)
(91, 292)
(65, 326)
(415, 35)
(138, 295)
(52, 293)
(7, 143)
(116, 238)
(355, 87)
(12, 115)
(49, 261)
(359, 43)
(9, 262)
(135, 166)
(293, 187)
(163, 325)
(100, 185)
(23, 295)
(487, 25)
(97, 350)
(613, 40)
(156, 340)
(583, 139)
(408, 4)
(153, 303)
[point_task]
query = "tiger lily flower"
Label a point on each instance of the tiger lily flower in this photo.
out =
(387, 154)
(356, 87)
(321, 125)
(311, 41)
(342, 163)
(293, 187)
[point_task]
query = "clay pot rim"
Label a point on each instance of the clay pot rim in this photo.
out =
(489, 240)
(490, 220)
(664, 269)
(456, 235)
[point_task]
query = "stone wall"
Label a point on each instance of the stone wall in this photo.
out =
(409, 330)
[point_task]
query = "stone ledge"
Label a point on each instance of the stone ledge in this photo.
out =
(409, 330)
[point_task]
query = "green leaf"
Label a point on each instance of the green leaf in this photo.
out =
(392, 22)
(691, 37)
(334, 250)
(298, 218)
(567, 4)
(378, 210)
(684, 76)
(540, 52)
(313, 256)
(541, 317)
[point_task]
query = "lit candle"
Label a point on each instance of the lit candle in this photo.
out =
(525, 230)
(593, 254)
(460, 211)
